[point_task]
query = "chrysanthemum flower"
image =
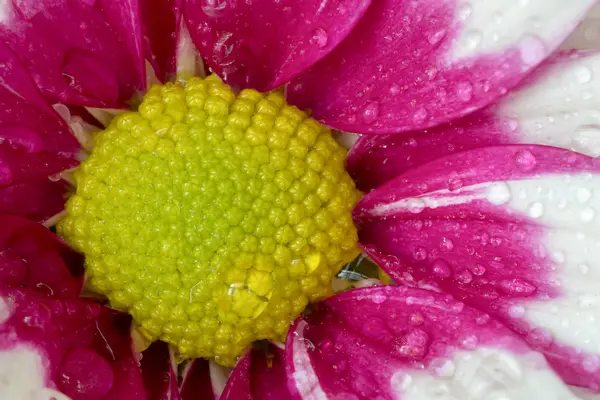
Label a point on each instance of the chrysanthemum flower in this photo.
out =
(184, 155)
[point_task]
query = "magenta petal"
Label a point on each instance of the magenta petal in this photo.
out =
(160, 372)
(263, 44)
(511, 230)
(78, 52)
(405, 343)
(258, 376)
(79, 347)
(161, 25)
(196, 384)
(32, 256)
(554, 106)
(36, 200)
(413, 65)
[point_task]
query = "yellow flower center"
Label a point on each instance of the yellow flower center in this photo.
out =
(213, 218)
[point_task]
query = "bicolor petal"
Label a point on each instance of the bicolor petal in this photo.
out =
(263, 44)
(31, 256)
(85, 53)
(413, 65)
(411, 344)
(511, 230)
(72, 346)
(259, 375)
(159, 371)
(555, 106)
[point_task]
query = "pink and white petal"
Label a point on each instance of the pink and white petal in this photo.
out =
(263, 44)
(159, 371)
(31, 256)
(71, 345)
(587, 34)
(413, 65)
(259, 375)
(555, 106)
(162, 29)
(36, 200)
(511, 230)
(197, 383)
(411, 344)
(85, 53)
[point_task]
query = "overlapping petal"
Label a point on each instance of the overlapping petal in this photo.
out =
(159, 371)
(556, 106)
(162, 29)
(196, 383)
(259, 375)
(413, 65)
(78, 52)
(411, 344)
(512, 230)
(262, 44)
(37, 200)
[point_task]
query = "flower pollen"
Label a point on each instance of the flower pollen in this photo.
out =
(213, 218)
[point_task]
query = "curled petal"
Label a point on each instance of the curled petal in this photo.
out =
(31, 256)
(263, 44)
(412, 65)
(78, 347)
(259, 375)
(587, 34)
(159, 371)
(78, 52)
(162, 29)
(555, 106)
(511, 230)
(406, 343)
(197, 383)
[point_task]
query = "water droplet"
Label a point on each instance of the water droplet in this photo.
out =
(516, 311)
(394, 89)
(469, 342)
(591, 363)
(539, 337)
(536, 210)
(464, 11)
(441, 268)
(319, 37)
(517, 287)
(464, 91)
(455, 184)
(413, 345)
(583, 195)
(532, 49)
(447, 244)
(420, 253)
(512, 124)
(588, 215)
(478, 269)
(471, 40)
(587, 140)
(371, 112)
(415, 206)
(464, 277)
(584, 268)
(558, 256)
(582, 74)
(499, 193)
(483, 319)
(436, 37)
(442, 367)
(525, 160)
(419, 116)
(416, 319)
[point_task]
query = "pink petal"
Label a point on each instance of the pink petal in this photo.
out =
(32, 256)
(258, 376)
(78, 52)
(161, 25)
(160, 372)
(263, 44)
(555, 106)
(196, 384)
(587, 34)
(511, 230)
(35, 200)
(410, 344)
(412, 65)
(80, 348)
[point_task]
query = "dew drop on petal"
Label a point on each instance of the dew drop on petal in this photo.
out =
(464, 91)
(525, 161)
(499, 193)
(517, 287)
(319, 37)
(371, 112)
(536, 210)
(441, 268)
(420, 253)
(463, 277)
(420, 116)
